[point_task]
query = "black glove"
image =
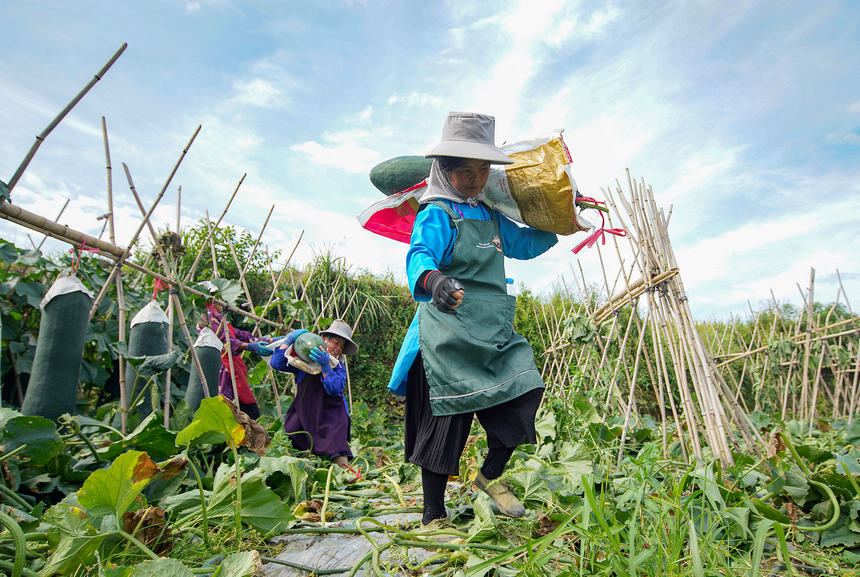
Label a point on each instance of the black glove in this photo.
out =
(441, 288)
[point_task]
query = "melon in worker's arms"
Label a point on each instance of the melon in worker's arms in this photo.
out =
(305, 343)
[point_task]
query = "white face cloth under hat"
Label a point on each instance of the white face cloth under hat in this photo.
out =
(439, 187)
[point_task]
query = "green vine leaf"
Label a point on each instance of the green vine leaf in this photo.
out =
(244, 564)
(38, 433)
(161, 568)
(72, 538)
(261, 507)
(114, 490)
(213, 416)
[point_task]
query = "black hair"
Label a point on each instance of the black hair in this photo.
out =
(449, 163)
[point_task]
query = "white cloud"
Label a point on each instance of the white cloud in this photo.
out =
(249, 141)
(192, 7)
(342, 150)
(698, 171)
(259, 92)
(415, 100)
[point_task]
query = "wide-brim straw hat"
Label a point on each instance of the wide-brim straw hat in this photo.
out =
(470, 135)
(339, 328)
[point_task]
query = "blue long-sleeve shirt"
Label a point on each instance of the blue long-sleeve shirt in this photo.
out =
(333, 382)
(431, 248)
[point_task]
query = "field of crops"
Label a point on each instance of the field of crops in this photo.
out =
(625, 478)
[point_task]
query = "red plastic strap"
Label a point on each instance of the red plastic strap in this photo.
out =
(157, 286)
(356, 473)
(76, 260)
(600, 233)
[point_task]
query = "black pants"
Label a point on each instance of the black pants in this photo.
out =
(436, 443)
(250, 409)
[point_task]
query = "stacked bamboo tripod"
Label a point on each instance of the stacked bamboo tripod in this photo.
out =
(708, 418)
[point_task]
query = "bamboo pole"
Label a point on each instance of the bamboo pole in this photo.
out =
(211, 240)
(59, 215)
(135, 236)
(632, 389)
(257, 242)
(53, 124)
(170, 306)
(798, 338)
(18, 215)
(174, 297)
(280, 276)
(193, 268)
(120, 294)
(809, 326)
(853, 403)
(251, 301)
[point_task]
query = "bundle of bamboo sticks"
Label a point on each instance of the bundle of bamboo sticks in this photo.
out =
(708, 415)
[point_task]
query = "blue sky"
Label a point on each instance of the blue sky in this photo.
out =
(743, 116)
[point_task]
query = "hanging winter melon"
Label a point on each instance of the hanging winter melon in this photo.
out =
(208, 348)
(148, 337)
(53, 386)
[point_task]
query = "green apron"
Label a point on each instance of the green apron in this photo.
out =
(473, 359)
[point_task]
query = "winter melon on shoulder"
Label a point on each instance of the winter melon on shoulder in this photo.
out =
(399, 173)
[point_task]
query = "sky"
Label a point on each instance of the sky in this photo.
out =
(743, 117)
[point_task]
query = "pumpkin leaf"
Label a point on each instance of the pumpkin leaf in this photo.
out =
(484, 525)
(293, 468)
(534, 488)
(852, 434)
(164, 567)
(244, 564)
(157, 364)
(115, 489)
(72, 538)
(578, 329)
(38, 433)
(796, 487)
(213, 416)
(149, 436)
(545, 426)
(33, 292)
(840, 534)
(261, 507)
(29, 257)
(849, 462)
(8, 253)
(6, 414)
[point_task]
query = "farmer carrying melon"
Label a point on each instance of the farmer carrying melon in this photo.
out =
(461, 356)
(318, 420)
(239, 341)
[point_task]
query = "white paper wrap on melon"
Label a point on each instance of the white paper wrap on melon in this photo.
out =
(310, 368)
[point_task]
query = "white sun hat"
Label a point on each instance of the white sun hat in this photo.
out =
(470, 135)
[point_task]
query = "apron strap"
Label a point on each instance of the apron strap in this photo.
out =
(454, 216)
(447, 209)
